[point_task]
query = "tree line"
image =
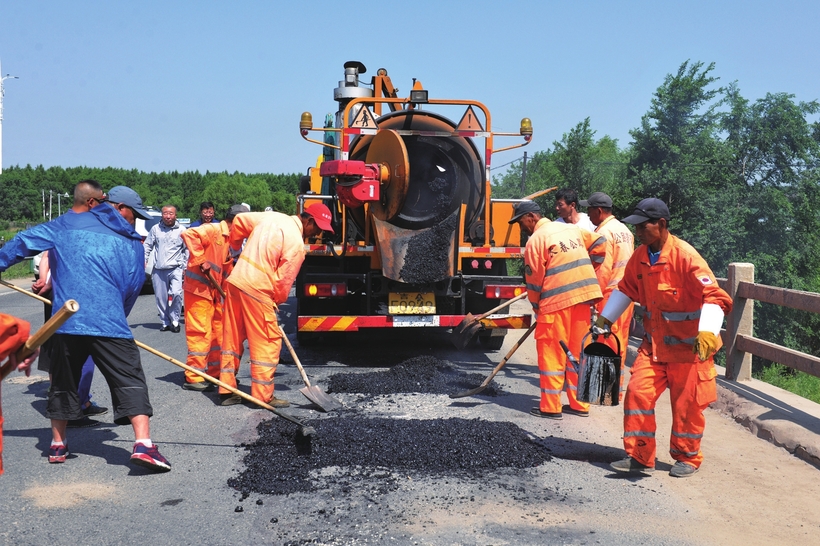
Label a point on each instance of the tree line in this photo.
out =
(28, 193)
(741, 178)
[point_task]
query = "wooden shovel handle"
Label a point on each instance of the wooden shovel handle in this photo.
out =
(500, 307)
(40, 336)
(216, 284)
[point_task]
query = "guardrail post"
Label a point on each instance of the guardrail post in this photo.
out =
(739, 321)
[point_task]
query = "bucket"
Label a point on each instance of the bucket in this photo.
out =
(599, 374)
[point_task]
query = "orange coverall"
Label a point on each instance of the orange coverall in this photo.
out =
(672, 292)
(207, 243)
(261, 280)
(620, 244)
(560, 261)
(13, 333)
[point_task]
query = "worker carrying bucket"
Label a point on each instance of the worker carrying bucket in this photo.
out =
(599, 376)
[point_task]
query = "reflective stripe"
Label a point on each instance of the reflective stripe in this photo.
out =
(572, 366)
(550, 391)
(535, 306)
(569, 287)
(260, 382)
(264, 364)
(533, 287)
(215, 348)
(671, 340)
(570, 387)
(614, 282)
(198, 367)
(196, 353)
(687, 435)
(558, 374)
(597, 259)
(231, 353)
(216, 268)
(228, 370)
(687, 453)
(639, 412)
(566, 267)
(639, 433)
(680, 316)
(598, 241)
(191, 275)
(648, 336)
(620, 264)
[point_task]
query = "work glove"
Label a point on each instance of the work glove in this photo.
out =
(601, 326)
(705, 345)
(205, 267)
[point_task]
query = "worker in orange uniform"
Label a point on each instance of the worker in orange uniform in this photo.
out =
(13, 334)
(683, 311)
(559, 271)
(620, 244)
(207, 252)
(261, 280)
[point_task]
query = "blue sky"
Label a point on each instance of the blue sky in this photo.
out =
(171, 85)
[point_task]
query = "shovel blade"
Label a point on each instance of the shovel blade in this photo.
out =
(319, 397)
(471, 392)
(465, 332)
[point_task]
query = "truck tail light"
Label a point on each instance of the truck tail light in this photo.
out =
(326, 290)
(503, 291)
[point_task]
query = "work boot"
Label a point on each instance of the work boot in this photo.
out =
(572, 411)
(631, 466)
(229, 399)
(200, 386)
(275, 402)
(546, 415)
(682, 470)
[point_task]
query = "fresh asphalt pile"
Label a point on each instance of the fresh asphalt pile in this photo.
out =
(351, 447)
(358, 448)
(422, 374)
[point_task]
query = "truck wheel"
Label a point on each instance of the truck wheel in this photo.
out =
(491, 343)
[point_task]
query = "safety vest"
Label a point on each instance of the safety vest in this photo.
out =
(671, 294)
(620, 244)
(559, 266)
(272, 255)
(207, 243)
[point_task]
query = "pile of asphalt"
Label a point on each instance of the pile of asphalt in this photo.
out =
(352, 449)
(428, 254)
(421, 374)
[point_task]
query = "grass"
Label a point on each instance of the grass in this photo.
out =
(799, 383)
(19, 271)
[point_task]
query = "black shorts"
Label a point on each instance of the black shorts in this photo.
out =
(118, 359)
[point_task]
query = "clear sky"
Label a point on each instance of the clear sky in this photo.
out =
(204, 85)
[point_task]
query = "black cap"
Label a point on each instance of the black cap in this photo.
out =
(597, 199)
(648, 209)
(524, 207)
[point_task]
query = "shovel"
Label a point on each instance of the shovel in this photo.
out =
(216, 285)
(470, 325)
(305, 429)
(314, 393)
(497, 368)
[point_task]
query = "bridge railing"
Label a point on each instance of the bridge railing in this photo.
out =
(738, 337)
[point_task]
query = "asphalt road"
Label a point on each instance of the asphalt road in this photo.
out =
(97, 497)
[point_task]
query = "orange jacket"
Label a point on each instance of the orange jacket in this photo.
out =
(620, 244)
(206, 243)
(672, 293)
(273, 253)
(13, 333)
(559, 266)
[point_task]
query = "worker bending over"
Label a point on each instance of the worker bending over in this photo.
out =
(683, 311)
(559, 270)
(208, 253)
(260, 282)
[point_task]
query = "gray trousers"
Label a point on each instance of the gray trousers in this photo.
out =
(168, 282)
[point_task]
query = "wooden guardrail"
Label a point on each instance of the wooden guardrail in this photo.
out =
(739, 334)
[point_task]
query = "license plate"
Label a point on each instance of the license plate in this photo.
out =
(411, 303)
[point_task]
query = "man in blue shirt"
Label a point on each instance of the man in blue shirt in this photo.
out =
(99, 261)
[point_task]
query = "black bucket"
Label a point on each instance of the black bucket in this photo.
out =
(599, 374)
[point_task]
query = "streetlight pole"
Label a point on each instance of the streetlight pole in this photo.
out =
(2, 93)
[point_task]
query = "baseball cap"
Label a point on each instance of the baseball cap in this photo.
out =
(597, 199)
(127, 196)
(236, 209)
(648, 209)
(321, 215)
(524, 207)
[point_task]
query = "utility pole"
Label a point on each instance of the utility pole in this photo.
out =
(524, 177)
(2, 93)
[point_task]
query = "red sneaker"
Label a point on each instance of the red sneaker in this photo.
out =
(150, 457)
